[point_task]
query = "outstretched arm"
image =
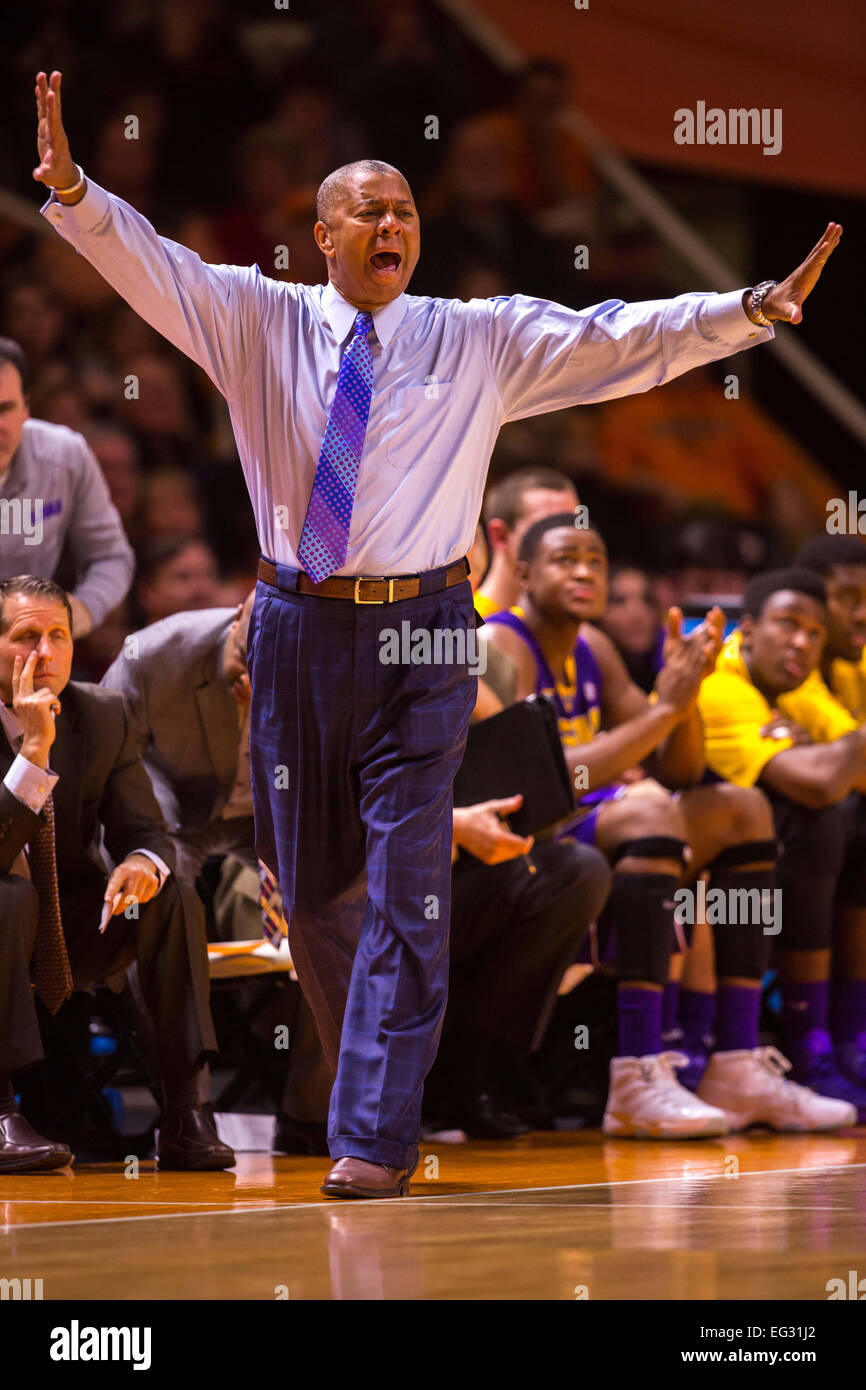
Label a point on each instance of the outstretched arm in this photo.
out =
(544, 356)
(212, 313)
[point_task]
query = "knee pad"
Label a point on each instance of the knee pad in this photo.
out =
(749, 852)
(743, 935)
(652, 847)
(642, 909)
(813, 841)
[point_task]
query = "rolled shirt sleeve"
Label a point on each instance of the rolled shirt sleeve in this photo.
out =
(213, 313)
(544, 356)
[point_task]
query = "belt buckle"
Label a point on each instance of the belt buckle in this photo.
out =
(375, 578)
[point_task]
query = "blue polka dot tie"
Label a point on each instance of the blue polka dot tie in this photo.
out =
(325, 537)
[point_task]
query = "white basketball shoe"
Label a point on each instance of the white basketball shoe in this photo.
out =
(646, 1101)
(750, 1087)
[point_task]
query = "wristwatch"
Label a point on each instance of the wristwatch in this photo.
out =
(757, 298)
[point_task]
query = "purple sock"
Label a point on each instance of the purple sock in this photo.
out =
(849, 1012)
(639, 1021)
(670, 1002)
(738, 1011)
(805, 1009)
(697, 1011)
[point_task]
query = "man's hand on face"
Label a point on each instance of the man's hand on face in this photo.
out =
(135, 878)
(36, 709)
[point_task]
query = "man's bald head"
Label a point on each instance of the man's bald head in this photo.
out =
(338, 186)
(369, 232)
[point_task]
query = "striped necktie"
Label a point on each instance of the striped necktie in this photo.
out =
(51, 973)
(274, 924)
(325, 537)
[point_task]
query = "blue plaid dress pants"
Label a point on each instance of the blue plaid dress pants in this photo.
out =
(353, 758)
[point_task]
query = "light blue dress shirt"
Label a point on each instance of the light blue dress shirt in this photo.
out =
(447, 376)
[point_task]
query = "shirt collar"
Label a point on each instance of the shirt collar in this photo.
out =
(341, 315)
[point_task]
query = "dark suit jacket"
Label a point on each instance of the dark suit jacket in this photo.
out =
(102, 782)
(183, 713)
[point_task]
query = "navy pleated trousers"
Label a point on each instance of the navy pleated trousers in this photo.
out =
(353, 758)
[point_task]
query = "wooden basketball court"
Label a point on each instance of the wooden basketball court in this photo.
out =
(553, 1217)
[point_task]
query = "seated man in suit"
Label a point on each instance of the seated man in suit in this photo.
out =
(184, 680)
(68, 767)
(186, 688)
(519, 912)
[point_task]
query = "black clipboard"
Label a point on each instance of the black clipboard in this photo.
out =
(519, 750)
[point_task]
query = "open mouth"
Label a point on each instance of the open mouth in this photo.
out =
(386, 262)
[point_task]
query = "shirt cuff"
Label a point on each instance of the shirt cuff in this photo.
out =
(160, 863)
(30, 784)
(730, 322)
(82, 216)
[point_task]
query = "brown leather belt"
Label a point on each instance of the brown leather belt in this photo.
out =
(371, 588)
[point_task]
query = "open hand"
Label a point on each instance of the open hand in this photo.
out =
(479, 830)
(56, 168)
(785, 300)
(684, 660)
(711, 634)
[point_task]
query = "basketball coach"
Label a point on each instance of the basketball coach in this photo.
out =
(365, 419)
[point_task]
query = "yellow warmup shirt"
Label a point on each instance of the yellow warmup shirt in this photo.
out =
(485, 606)
(814, 705)
(734, 711)
(848, 682)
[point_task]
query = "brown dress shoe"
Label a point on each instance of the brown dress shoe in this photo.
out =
(355, 1177)
(22, 1150)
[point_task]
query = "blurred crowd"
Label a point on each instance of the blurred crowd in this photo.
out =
(236, 114)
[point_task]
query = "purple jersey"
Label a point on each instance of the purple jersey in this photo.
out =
(577, 699)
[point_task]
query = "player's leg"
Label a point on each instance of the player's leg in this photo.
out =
(410, 725)
(696, 1000)
(848, 1008)
(745, 1080)
(643, 835)
(813, 843)
(308, 827)
(732, 836)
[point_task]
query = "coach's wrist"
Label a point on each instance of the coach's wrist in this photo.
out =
(70, 199)
(71, 188)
